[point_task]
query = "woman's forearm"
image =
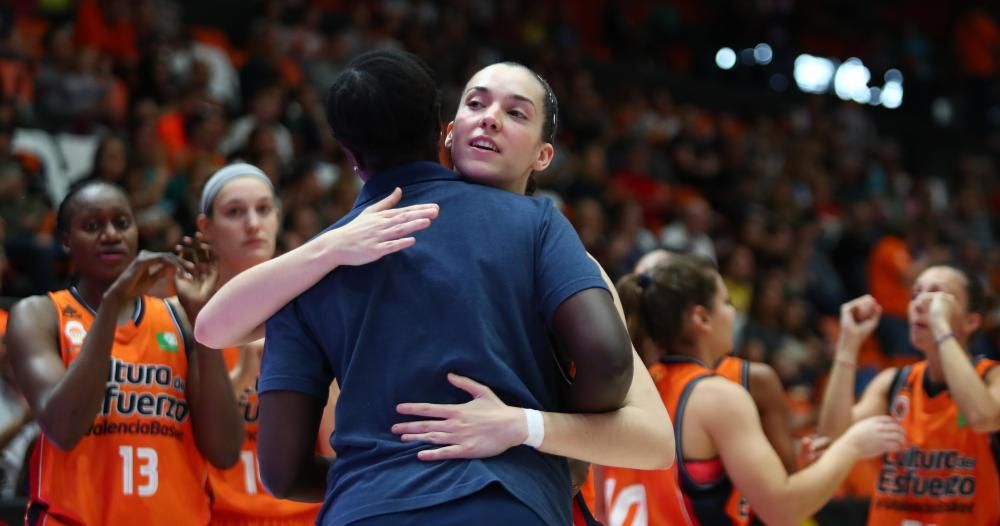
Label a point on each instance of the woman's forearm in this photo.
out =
(639, 435)
(236, 313)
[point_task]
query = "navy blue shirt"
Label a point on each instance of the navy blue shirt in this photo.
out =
(474, 296)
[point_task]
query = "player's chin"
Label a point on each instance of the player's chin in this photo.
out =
(921, 339)
(482, 171)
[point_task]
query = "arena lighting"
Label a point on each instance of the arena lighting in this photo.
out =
(876, 95)
(763, 54)
(892, 94)
(813, 74)
(893, 75)
(942, 111)
(850, 82)
(725, 58)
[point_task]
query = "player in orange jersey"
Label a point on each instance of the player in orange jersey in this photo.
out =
(768, 395)
(948, 403)
(129, 408)
(724, 459)
(758, 378)
(239, 217)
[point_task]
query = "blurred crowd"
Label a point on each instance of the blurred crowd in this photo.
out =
(804, 201)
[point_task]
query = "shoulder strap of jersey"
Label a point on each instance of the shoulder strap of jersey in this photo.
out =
(185, 335)
(745, 373)
(686, 482)
(898, 381)
(983, 360)
(588, 517)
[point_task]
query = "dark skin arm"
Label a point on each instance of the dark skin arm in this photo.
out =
(286, 445)
(64, 400)
(215, 416)
(587, 328)
(590, 334)
(769, 396)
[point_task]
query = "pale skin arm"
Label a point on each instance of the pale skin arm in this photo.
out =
(977, 400)
(328, 424)
(639, 435)
(236, 313)
(726, 413)
(858, 319)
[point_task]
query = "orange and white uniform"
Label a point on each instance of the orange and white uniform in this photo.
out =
(690, 492)
(239, 497)
(138, 462)
(947, 473)
(735, 370)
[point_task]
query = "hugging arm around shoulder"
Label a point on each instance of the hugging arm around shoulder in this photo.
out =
(591, 336)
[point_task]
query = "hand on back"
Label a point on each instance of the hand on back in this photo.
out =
(379, 230)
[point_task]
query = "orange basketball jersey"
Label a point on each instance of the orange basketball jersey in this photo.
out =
(675, 495)
(947, 473)
(138, 463)
(239, 497)
(735, 370)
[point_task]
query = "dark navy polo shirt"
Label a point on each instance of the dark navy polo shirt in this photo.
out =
(474, 296)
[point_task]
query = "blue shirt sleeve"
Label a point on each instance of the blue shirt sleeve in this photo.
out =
(563, 267)
(293, 359)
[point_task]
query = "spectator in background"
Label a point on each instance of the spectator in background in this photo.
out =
(105, 26)
(265, 114)
(17, 427)
(26, 214)
(17, 82)
(69, 92)
(222, 80)
(689, 234)
(110, 163)
(738, 274)
(891, 271)
(977, 39)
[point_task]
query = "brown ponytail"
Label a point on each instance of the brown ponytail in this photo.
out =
(656, 302)
(630, 294)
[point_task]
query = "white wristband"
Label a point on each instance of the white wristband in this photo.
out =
(536, 428)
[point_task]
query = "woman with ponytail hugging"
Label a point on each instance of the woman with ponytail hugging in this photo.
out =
(500, 130)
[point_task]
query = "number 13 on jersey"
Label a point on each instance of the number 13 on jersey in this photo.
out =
(148, 470)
